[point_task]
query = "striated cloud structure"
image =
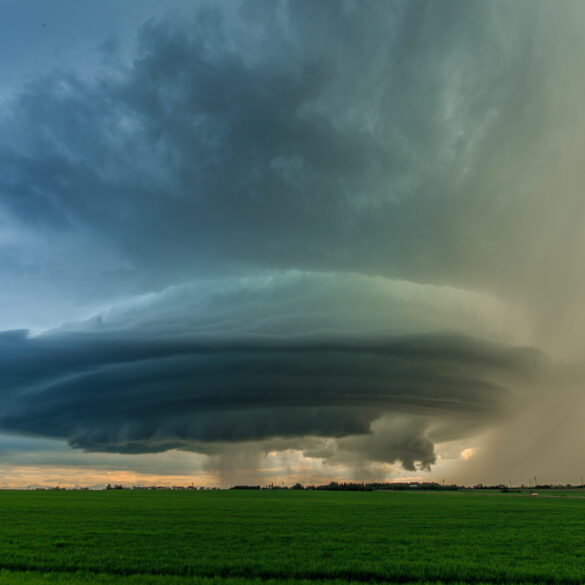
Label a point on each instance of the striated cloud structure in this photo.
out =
(147, 387)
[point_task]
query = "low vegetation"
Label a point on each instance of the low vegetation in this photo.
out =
(289, 536)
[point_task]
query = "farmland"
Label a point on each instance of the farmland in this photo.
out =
(241, 538)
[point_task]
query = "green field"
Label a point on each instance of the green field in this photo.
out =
(225, 537)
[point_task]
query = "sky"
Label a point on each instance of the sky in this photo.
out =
(273, 241)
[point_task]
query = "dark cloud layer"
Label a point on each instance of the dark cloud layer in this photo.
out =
(374, 138)
(121, 393)
(362, 146)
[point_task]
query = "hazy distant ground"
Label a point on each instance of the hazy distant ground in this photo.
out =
(228, 537)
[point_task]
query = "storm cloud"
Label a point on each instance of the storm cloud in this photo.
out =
(138, 388)
(353, 225)
(285, 144)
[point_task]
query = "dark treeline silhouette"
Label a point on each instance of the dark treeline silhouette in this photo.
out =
(356, 487)
(342, 486)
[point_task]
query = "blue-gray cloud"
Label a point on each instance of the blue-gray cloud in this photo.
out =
(410, 140)
(294, 146)
(146, 383)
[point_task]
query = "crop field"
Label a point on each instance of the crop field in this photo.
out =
(304, 537)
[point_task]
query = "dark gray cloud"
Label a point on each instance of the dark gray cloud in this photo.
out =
(328, 138)
(393, 438)
(115, 391)
(173, 190)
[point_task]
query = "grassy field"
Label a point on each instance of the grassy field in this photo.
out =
(241, 538)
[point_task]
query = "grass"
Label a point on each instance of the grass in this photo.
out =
(241, 538)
